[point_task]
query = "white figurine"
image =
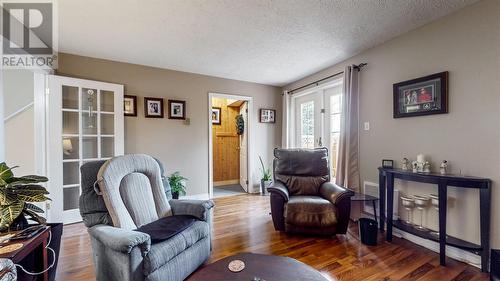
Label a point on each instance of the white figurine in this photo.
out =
(420, 162)
(404, 165)
(427, 167)
(444, 167)
(420, 167)
(415, 166)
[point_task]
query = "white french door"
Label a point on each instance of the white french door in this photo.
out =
(308, 121)
(317, 119)
(333, 105)
(85, 123)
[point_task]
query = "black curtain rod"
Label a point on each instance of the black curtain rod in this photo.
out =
(316, 83)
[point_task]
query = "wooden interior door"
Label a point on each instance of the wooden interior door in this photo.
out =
(226, 145)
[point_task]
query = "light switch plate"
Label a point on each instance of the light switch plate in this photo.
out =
(367, 126)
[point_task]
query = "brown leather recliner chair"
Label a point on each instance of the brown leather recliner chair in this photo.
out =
(303, 200)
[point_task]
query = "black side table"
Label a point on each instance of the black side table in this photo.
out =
(360, 197)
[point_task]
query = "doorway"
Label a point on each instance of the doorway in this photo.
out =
(229, 145)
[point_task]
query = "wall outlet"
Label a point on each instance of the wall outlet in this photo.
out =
(367, 126)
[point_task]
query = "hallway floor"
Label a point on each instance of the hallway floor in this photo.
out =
(228, 190)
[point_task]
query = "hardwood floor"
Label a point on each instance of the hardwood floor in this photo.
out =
(242, 224)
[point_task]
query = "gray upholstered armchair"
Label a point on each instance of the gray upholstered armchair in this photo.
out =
(303, 200)
(137, 193)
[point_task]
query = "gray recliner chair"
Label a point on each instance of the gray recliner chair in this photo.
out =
(134, 192)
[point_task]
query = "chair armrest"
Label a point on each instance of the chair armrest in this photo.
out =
(280, 189)
(196, 208)
(334, 193)
(121, 240)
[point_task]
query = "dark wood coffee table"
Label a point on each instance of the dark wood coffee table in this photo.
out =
(265, 267)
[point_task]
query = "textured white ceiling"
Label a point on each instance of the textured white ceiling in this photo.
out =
(265, 41)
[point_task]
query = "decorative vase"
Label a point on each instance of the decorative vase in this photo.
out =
(404, 165)
(421, 203)
(175, 195)
(435, 203)
(408, 204)
(264, 185)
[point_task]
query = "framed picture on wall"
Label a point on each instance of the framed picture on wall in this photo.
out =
(153, 107)
(216, 115)
(176, 109)
(129, 105)
(422, 96)
(267, 115)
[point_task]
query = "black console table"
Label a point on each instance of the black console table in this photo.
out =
(386, 181)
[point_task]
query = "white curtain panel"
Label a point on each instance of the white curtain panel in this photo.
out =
(348, 156)
(285, 124)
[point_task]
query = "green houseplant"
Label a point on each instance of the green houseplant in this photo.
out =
(16, 195)
(266, 179)
(177, 184)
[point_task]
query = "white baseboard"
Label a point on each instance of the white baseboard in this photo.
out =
(201, 196)
(452, 252)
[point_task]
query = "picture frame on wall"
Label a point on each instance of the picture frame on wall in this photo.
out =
(421, 96)
(153, 107)
(267, 115)
(216, 115)
(176, 109)
(130, 105)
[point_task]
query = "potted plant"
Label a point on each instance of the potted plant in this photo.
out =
(16, 197)
(266, 178)
(177, 185)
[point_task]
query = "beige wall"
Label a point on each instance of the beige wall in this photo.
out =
(181, 147)
(467, 44)
(19, 142)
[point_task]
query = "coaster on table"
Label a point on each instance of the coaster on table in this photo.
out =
(236, 266)
(10, 248)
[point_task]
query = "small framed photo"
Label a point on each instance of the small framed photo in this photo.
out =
(386, 163)
(153, 107)
(422, 96)
(267, 115)
(176, 109)
(216, 115)
(129, 105)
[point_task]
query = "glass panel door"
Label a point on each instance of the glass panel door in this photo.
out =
(317, 121)
(86, 125)
(308, 121)
(107, 101)
(333, 102)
